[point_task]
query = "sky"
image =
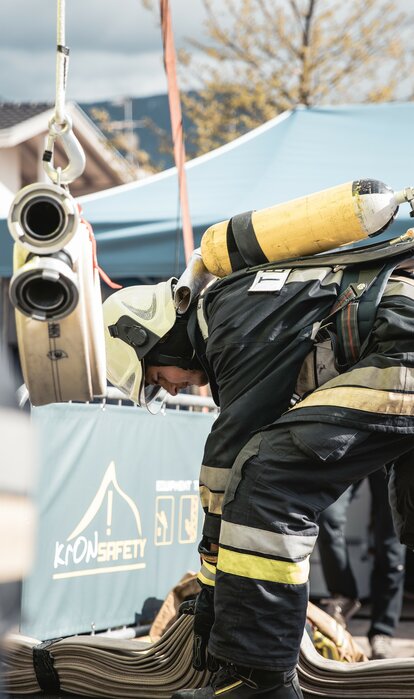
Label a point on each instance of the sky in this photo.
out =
(115, 48)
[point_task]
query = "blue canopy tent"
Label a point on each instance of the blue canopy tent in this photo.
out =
(137, 225)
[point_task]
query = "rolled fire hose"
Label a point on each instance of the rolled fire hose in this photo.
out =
(43, 218)
(91, 293)
(59, 322)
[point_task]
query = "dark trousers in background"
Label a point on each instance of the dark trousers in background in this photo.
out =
(387, 578)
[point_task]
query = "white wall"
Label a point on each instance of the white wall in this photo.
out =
(9, 177)
(10, 168)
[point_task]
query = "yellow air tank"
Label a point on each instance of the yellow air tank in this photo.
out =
(304, 226)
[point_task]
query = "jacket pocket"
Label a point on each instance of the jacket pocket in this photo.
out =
(325, 441)
(249, 450)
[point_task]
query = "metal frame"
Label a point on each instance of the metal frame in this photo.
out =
(181, 400)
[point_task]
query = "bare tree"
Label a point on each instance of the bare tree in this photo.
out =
(262, 57)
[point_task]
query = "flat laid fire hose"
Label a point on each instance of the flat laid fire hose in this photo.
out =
(103, 667)
(379, 679)
(97, 666)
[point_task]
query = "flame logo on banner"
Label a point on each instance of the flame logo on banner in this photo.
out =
(112, 555)
(108, 479)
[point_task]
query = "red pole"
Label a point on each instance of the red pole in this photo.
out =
(176, 124)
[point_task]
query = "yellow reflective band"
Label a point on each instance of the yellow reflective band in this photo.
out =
(214, 478)
(371, 378)
(399, 286)
(207, 574)
(209, 557)
(226, 689)
(258, 568)
(205, 581)
(366, 399)
(211, 501)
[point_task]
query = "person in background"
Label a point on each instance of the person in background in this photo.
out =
(387, 577)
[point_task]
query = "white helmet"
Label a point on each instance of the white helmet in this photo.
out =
(135, 319)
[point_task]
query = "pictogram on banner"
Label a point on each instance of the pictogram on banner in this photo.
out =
(188, 519)
(164, 520)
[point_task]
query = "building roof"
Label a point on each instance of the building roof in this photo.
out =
(26, 125)
(12, 113)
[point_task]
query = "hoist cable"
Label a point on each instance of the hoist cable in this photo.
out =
(60, 125)
(62, 60)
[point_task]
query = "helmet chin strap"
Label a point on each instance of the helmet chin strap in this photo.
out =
(159, 359)
(175, 349)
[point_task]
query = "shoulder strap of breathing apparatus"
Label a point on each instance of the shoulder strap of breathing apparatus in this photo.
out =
(366, 273)
(360, 293)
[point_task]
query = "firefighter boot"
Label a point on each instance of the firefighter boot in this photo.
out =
(244, 683)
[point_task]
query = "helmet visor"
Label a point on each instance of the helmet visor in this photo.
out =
(154, 398)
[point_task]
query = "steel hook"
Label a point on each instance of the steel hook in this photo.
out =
(72, 147)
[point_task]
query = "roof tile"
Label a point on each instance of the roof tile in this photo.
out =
(13, 113)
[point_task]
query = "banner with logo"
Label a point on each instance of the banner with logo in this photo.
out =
(119, 514)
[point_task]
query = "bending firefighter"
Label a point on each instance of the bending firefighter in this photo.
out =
(312, 365)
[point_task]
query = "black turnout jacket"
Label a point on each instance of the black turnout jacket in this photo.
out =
(274, 356)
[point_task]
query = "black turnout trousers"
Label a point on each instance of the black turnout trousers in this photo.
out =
(283, 478)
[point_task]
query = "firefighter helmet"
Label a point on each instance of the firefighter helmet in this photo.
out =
(135, 319)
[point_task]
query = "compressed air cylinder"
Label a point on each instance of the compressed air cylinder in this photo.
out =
(304, 226)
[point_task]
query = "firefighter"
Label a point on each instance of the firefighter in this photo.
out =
(297, 426)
